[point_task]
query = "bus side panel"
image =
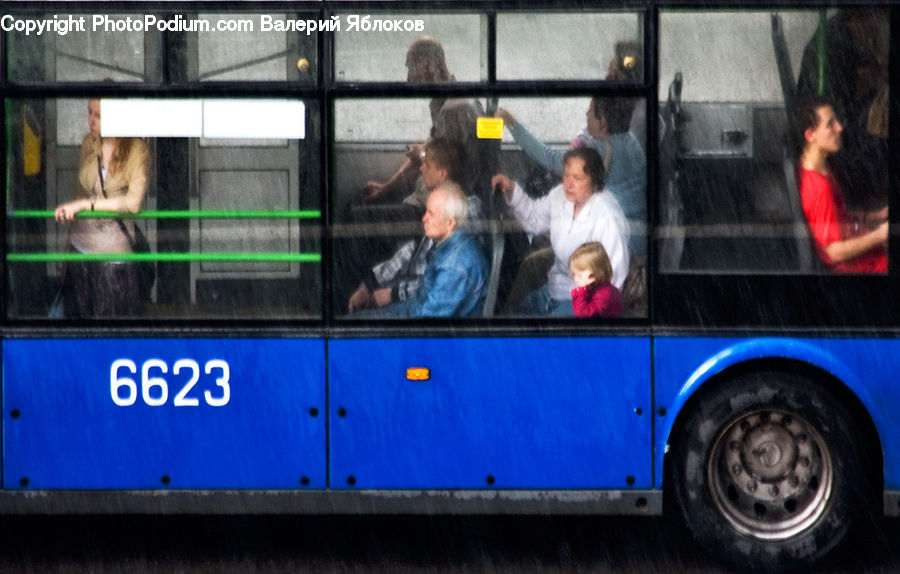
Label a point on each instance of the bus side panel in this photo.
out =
(174, 413)
(501, 413)
(868, 367)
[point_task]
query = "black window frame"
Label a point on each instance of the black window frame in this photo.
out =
(677, 301)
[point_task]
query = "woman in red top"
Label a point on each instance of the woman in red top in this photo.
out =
(594, 295)
(843, 244)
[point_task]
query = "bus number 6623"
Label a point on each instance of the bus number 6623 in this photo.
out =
(155, 390)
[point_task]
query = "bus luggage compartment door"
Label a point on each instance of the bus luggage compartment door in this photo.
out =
(490, 413)
(164, 413)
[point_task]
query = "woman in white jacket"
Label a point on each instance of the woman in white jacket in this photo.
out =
(579, 211)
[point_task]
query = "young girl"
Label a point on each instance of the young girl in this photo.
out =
(594, 295)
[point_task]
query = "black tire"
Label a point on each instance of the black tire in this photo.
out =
(768, 471)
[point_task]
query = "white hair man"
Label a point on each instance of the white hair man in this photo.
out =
(455, 279)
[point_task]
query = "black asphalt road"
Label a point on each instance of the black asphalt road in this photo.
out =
(382, 544)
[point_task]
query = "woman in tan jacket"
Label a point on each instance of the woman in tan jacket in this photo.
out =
(112, 177)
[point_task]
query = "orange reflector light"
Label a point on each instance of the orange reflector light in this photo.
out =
(418, 374)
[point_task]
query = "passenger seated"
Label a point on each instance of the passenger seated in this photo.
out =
(397, 279)
(846, 61)
(454, 283)
(845, 245)
(625, 169)
(440, 160)
(624, 162)
(593, 294)
(452, 118)
(578, 211)
(390, 210)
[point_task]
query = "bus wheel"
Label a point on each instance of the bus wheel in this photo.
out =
(769, 471)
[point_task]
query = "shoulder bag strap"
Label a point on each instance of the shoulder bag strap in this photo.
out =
(103, 193)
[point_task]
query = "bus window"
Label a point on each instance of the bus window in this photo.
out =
(377, 241)
(586, 50)
(366, 53)
(83, 48)
(228, 205)
(739, 193)
(379, 188)
(248, 47)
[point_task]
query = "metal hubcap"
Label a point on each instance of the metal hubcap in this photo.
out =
(770, 474)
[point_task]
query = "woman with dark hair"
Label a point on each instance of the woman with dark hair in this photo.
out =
(112, 177)
(578, 211)
(608, 123)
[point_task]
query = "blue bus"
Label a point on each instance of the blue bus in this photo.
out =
(230, 288)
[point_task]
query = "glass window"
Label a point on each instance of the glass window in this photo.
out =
(369, 55)
(83, 48)
(255, 47)
(388, 246)
(741, 190)
(573, 46)
(232, 224)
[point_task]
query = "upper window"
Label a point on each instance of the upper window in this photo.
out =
(82, 48)
(271, 47)
(369, 54)
(573, 46)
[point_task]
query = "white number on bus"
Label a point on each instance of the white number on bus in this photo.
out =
(154, 389)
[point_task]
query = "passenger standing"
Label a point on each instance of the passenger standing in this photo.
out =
(112, 176)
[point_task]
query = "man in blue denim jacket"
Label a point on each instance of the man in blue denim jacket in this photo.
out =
(455, 280)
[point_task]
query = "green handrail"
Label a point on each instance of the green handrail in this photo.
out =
(163, 257)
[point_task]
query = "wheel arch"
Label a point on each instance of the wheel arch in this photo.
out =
(707, 378)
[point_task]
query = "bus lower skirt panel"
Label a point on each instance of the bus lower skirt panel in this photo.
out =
(892, 503)
(238, 502)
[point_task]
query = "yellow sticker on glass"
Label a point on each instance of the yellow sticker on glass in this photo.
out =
(489, 128)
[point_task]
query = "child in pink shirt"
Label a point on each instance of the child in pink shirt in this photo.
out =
(594, 294)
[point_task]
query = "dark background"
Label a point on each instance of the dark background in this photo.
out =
(384, 544)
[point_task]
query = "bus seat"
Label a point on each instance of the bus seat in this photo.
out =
(495, 249)
(495, 257)
(785, 71)
(672, 216)
(808, 260)
(634, 290)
